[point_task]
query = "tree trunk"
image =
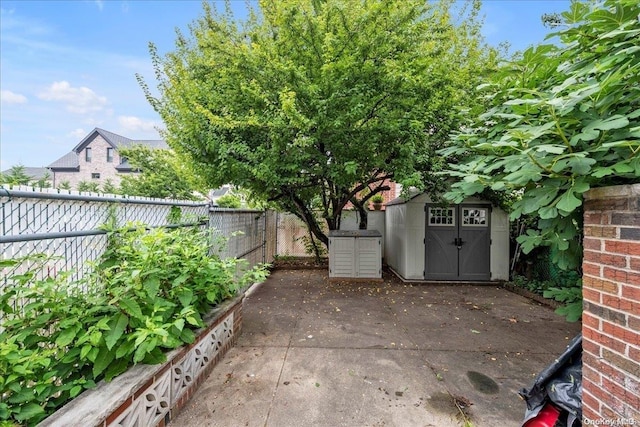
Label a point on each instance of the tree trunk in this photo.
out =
(362, 213)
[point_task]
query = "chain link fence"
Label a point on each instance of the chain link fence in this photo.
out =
(292, 233)
(293, 237)
(65, 226)
(243, 234)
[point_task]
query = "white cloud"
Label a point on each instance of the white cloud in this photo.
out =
(79, 100)
(77, 134)
(8, 97)
(133, 124)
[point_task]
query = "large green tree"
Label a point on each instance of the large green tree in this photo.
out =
(562, 119)
(308, 103)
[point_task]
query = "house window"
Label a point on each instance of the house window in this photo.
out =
(95, 176)
(109, 155)
(87, 154)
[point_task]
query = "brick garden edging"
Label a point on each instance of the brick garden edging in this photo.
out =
(611, 316)
(152, 395)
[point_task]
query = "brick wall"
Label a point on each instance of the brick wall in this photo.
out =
(98, 164)
(611, 317)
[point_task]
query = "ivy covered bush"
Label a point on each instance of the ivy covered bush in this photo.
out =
(147, 295)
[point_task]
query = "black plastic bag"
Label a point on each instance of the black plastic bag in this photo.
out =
(561, 384)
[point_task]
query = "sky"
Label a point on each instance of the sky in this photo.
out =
(67, 67)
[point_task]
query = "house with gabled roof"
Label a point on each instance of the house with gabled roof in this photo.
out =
(97, 159)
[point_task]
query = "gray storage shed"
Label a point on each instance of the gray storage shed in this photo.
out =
(355, 254)
(464, 242)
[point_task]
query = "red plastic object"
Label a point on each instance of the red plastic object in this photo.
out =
(547, 417)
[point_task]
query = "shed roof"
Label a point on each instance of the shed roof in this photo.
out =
(402, 200)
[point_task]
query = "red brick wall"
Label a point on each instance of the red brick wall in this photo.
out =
(611, 317)
(387, 195)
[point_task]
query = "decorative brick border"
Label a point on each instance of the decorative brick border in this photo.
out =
(152, 395)
(611, 316)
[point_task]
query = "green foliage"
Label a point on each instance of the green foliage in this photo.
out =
(175, 215)
(44, 181)
(162, 174)
(571, 297)
(65, 185)
(147, 295)
(109, 187)
(88, 187)
(15, 176)
(377, 198)
(560, 121)
(313, 247)
(317, 101)
(229, 201)
(532, 285)
(565, 279)
(565, 288)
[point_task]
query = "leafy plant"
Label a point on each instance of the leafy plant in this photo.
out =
(229, 201)
(560, 120)
(377, 198)
(109, 187)
(175, 215)
(313, 247)
(40, 371)
(43, 182)
(88, 187)
(566, 288)
(571, 297)
(147, 294)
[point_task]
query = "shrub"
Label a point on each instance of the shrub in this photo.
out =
(147, 295)
(566, 287)
(229, 201)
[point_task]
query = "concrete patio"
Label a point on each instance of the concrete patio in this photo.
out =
(347, 353)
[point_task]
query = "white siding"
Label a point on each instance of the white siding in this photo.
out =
(405, 233)
(499, 245)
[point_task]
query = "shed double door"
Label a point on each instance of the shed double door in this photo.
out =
(458, 242)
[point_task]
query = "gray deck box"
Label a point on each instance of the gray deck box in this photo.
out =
(355, 254)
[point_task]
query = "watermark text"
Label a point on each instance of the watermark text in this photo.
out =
(611, 422)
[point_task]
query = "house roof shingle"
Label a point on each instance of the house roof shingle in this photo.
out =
(68, 161)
